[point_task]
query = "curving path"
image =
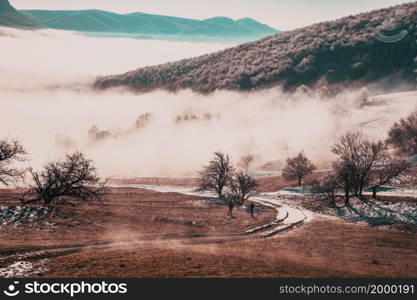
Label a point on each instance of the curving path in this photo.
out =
(288, 216)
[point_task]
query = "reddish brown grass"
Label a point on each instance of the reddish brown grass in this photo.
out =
(319, 249)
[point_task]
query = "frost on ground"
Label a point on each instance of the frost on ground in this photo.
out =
(379, 213)
(362, 210)
(19, 215)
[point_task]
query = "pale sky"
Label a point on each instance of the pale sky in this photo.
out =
(280, 14)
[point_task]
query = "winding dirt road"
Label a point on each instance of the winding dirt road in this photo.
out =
(288, 216)
(31, 262)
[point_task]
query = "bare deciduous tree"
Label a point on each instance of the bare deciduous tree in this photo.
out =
(363, 163)
(403, 135)
(246, 161)
(74, 177)
(340, 179)
(11, 151)
(386, 171)
(297, 168)
(216, 175)
(242, 187)
(357, 156)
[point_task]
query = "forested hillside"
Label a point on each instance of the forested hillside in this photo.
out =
(348, 51)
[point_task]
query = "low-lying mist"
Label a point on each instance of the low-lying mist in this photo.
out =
(45, 100)
(53, 58)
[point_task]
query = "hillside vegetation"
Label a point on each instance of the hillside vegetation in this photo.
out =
(343, 51)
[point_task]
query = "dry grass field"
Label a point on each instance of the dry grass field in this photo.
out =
(319, 249)
(140, 233)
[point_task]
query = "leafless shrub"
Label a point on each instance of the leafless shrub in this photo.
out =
(74, 177)
(11, 151)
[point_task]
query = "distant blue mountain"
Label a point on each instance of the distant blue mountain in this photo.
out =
(9, 17)
(141, 25)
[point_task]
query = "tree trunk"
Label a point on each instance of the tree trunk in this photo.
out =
(361, 190)
(219, 191)
(299, 181)
(374, 192)
(347, 198)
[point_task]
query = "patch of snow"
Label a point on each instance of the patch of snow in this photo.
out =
(396, 192)
(16, 215)
(17, 269)
(379, 213)
(23, 268)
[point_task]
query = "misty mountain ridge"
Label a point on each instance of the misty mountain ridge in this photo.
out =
(142, 25)
(9, 17)
(352, 51)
